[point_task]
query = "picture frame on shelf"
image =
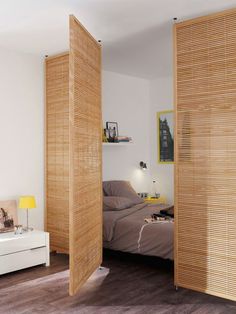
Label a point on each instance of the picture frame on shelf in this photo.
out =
(8, 216)
(112, 128)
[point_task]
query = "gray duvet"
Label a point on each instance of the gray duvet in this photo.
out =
(125, 230)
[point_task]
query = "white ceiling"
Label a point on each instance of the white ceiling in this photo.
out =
(135, 34)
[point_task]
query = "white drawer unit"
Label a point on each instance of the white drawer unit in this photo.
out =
(23, 250)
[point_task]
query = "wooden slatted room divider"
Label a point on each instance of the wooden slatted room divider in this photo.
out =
(57, 151)
(74, 154)
(205, 154)
(85, 155)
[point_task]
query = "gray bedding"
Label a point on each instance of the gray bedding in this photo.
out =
(125, 230)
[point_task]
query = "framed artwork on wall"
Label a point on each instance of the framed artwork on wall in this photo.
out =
(165, 136)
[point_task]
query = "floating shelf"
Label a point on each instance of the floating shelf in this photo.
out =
(117, 144)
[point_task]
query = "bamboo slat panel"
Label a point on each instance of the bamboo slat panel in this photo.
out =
(85, 155)
(205, 168)
(57, 152)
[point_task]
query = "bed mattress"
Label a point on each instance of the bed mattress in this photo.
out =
(125, 230)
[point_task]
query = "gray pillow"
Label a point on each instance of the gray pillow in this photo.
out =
(116, 203)
(123, 189)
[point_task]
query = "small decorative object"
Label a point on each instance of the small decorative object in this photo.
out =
(154, 190)
(143, 165)
(124, 139)
(105, 136)
(143, 194)
(112, 128)
(27, 202)
(165, 128)
(18, 229)
(8, 216)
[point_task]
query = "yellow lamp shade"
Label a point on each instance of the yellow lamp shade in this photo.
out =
(27, 202)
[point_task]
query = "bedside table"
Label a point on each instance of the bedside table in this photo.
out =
(18, 251)
(160, 200)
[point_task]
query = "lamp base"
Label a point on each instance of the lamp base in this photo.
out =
(27, 229)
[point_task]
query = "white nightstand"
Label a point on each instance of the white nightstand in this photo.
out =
(23, 250)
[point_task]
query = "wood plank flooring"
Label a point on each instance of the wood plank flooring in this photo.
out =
(126, 284)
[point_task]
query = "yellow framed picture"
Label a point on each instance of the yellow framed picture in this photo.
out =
(165, 137)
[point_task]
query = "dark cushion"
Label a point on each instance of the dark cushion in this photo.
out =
(116, 203)
(123, 189)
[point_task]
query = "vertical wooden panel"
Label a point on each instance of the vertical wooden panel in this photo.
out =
(57, 151)
(85, 155)
(205, 170)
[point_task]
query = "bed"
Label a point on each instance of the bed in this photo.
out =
(124, 229)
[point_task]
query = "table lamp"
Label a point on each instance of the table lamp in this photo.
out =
(27, 202)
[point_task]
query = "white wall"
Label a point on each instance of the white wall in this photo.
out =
(126, 101)
(133, 103)
(22, 130)
(161, 99)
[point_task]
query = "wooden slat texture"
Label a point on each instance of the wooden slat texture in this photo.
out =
(85, 155)
(205, 154)
(57, 151)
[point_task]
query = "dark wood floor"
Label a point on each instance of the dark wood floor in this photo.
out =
(126, 284)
